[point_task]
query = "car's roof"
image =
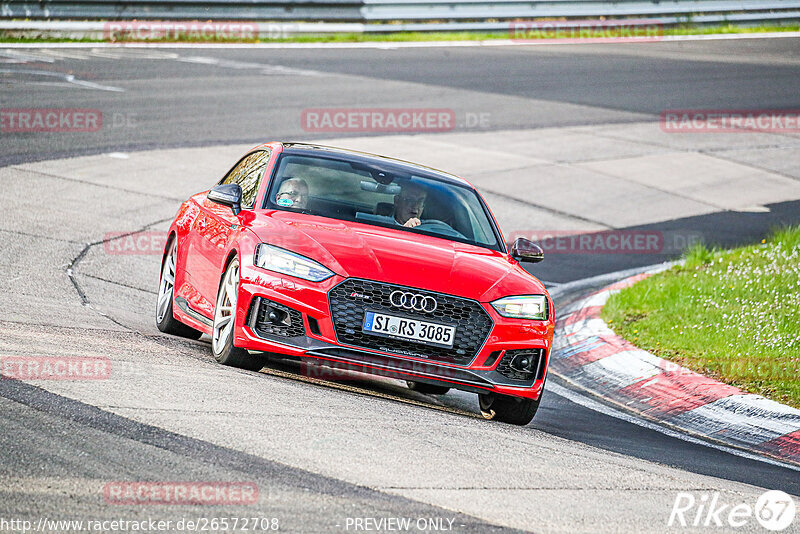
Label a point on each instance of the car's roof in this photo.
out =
(307, 149)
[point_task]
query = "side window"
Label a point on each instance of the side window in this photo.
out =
(247, 173)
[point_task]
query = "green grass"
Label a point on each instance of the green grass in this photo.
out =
(732, 315)
(405, 36)
(728, 28)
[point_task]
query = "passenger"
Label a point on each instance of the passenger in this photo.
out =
(408, 205)
(293, 193)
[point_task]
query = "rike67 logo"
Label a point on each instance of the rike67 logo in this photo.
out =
(774, 510)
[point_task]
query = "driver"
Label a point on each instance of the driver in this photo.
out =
(293, 193)
(408, 205)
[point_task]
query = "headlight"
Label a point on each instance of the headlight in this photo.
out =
(285, 262)
(527, 307)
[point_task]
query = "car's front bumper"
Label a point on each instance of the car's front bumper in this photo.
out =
(317, 340)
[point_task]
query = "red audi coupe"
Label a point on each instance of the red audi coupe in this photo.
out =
(360, 262)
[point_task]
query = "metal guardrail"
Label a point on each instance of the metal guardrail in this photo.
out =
(414, 10)
(243, 10)
(408, 15)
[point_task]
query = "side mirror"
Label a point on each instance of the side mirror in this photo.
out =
(227, 195)
(525, 250)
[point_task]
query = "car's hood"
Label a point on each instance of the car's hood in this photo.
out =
(359, 250)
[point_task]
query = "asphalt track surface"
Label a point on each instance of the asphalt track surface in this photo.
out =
(206, 97)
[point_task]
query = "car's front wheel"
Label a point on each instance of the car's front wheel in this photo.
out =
(513, 410)
(222, 345)
(165, 320)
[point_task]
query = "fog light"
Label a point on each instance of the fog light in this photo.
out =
(278, 317)
(523, 363)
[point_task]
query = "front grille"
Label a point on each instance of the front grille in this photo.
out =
(350, 299)
(288, 323)
(536, 356)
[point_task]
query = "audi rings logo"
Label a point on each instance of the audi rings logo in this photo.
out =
(412, 301)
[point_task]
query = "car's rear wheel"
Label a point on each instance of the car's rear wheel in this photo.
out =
(222, 345)
(513, 410)
(427, 389)
(165, 320)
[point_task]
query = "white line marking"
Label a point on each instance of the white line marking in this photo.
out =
(622, 369)
(265, 68)
(202, 60)
(69, 78)
(91, 85)
(592, 404)
(747, 418)
(110, 53)
(386, 45)
(68, 54)
(19, 57)
(610, 277)
(650, 383)
(598, 299)
(549, 284)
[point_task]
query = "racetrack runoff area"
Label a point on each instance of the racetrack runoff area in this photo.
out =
(99, 301)
(325, 452)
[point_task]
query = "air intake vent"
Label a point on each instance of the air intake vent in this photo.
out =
(313, 325)
(490, 361)
(522, 364)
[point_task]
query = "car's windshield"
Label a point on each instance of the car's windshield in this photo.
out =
(382, 194)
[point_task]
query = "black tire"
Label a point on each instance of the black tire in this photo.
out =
(165, 318)
(226, 352)
(241, 359)
(512, 410)
(427, 389)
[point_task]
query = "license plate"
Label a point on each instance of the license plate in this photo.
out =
(409, 329)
